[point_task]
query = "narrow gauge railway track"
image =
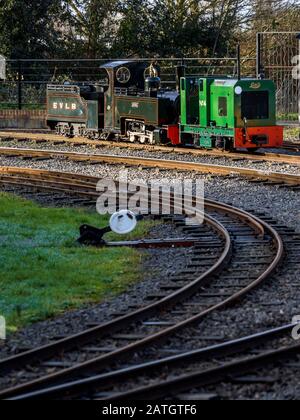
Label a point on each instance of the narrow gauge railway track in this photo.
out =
(250, 250)
(292, 146)
(108, 385)
(56, 140)
(274, 178)
(191, 381)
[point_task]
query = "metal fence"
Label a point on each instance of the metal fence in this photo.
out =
(26, 80)
(275, 53)
(25, 85)
(2, 67)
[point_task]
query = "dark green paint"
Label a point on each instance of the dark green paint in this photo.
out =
(92, 122)
(66, 107)
(133, 107)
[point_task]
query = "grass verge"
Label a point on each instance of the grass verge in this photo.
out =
(43, 272)
(292, 133)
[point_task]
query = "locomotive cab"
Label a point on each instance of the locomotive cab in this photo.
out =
(229, 113)
(255, 111)
(136, 108)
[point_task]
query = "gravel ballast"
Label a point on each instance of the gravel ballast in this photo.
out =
(168, 154)
(281, 203)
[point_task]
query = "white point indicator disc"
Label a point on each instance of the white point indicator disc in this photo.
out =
(123, 222)
(238, 90)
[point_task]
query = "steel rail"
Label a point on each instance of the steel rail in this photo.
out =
(86, 185)
(79, 141)
(49, 173)
(103, 381)
(221, 170)
(102, 360)
(111, 326)
(207, 377)
(292, 146)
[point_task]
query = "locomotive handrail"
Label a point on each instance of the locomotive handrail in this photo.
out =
(121, 91)
(64, 88)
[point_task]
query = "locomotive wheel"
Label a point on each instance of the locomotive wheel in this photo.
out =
(229, 147)
(52, 125)
(253, 149)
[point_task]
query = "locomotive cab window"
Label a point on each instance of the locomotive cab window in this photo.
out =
(255, 105)
(222, 106)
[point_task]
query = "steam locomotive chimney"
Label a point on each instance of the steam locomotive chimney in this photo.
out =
(152, 83)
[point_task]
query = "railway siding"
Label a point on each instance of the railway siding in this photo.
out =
(241, 235)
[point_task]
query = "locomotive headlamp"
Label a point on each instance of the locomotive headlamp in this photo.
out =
(238, 90)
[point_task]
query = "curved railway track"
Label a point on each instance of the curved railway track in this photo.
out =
(250, 250)
(274, 178)
(195, 379)
(108, 386)
(54, 139)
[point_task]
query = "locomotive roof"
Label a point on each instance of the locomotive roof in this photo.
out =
(225, 82)
(115, 64)
(243, 81)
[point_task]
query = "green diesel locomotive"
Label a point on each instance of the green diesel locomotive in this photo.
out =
(202, 112)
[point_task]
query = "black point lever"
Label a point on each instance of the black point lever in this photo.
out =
(92, 236)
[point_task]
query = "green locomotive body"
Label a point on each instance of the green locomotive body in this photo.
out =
(229, 113)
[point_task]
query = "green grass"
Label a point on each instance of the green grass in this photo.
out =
(288, 116)
(43, 272)
(291, 133)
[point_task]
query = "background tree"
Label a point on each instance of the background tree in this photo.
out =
(267, 16)
(111, 28)
(94, 23)
(135, 29)
(180, 27)
(33, 28)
